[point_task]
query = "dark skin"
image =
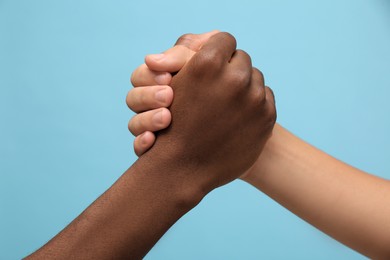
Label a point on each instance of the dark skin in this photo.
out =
(222, 116)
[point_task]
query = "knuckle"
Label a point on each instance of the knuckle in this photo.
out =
(228, 37)
(244, 57)
(262, 95)
(241, 78)
(243, 54)
(211, 58)
(186, 39)
(207, 63)
(259, 74)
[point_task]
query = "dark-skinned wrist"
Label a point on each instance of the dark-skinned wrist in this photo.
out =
(172, 177)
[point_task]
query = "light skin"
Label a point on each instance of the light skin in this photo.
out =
(173, 176)
(346, 203)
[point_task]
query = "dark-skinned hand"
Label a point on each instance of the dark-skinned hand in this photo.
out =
(222, 115)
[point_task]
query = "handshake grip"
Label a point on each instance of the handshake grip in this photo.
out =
(222, 116)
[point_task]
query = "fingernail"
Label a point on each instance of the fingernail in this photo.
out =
(161, 95)
(157, 57)
(161, 79)
(143, 139)
(157, 117)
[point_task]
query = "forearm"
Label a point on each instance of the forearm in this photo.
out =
(344, 202)
(127, 220)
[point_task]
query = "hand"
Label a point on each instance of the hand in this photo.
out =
(152, 95)
(222, 116)
(309, 182)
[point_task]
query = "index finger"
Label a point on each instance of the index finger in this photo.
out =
(220, 47)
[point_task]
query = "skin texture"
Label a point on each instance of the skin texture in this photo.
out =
(139, 100)
(220, 100)
(173, 177)
(348, 204)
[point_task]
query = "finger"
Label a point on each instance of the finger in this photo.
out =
(219, 48)
(195, 42)
(241, 60)
(176, 57)
(257, 84)
(240, 68)
(143, 143)
(270, 95)
(143, 76)
(171, 60)
(258, 77)
(149, 97)
(152, 120)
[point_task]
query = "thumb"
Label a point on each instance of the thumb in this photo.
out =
(176, 57)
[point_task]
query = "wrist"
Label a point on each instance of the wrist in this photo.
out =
(171, 177)
(268, 157)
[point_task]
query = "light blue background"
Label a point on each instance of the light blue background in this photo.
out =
(64, 75)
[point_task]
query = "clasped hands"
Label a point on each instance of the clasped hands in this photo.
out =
(204, 119)
(207, 106)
